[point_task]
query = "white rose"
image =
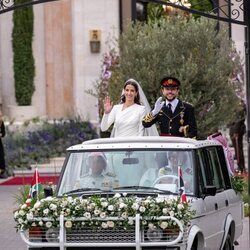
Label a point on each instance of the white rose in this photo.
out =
(135, 206)
(122, 205)
(28, 201)
(159, 199)
(49, 198)
(104, 225)
(130, 221)
(151, 226)
(64, 203)
(68, 224)
(96, 212)
(37, 204)
(21, 212)
(171, 213)
(164, 210)
(104, 204)
(124, 215)
(164, 225)
(29, 216)
(110, 207)
(20, 220)
(52, 207)
(23, 206)
(33, 224)
(142, 209)
(110, 223)
(180, 206)
(87, 215)
(124, 194)
(40, 223)
(46, 211)
(117, 195)
(48, 224)
(102, 215)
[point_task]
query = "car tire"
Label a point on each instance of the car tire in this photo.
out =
(228, 243)
(194, 245)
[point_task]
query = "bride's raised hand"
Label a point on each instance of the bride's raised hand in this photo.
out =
(107, 104)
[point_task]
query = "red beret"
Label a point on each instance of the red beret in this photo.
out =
(169, 81)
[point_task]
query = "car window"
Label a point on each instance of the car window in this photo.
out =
(121, 168)
(215, 166)
(212, 168)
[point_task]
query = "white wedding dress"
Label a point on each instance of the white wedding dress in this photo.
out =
(127, 122)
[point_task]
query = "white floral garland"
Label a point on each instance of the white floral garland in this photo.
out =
(99, 212)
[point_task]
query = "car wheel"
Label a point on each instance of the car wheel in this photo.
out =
(228, 243)
(194, 245)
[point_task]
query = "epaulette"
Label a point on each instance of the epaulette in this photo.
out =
(162, 171)
(111, 174)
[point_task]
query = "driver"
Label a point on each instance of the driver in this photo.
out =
(96, 177)
(175, 159)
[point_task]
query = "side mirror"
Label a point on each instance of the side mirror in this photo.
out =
(209, 190)
(48, 191)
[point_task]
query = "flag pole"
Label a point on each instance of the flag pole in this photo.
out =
(37, 189)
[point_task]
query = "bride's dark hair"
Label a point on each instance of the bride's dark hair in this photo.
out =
(135, 84)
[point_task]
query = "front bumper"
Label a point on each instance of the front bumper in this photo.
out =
(135, 237)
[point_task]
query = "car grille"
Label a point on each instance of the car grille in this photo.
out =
(86, 235)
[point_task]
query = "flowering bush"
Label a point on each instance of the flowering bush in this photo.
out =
(37, 142)
(98, 212)
(110, 61)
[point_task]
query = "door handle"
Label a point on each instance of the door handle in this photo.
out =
(216, 206)
(226, 202)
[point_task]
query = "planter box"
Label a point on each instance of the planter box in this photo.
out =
(22, 113)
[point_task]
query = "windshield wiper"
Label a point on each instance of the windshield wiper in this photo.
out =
(145, 188)
(82, 190)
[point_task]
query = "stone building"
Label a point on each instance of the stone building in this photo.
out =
(65, 65)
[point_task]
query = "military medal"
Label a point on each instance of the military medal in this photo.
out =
(182, 120)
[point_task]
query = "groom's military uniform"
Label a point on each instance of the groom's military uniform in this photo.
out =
(180, 123)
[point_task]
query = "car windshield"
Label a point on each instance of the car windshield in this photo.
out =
(127, 170)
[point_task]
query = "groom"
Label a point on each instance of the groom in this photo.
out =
(175, 117)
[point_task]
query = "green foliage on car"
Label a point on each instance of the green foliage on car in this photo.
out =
(24, 65)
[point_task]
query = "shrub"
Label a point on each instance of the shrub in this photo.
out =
(24, 65)
(36, 143)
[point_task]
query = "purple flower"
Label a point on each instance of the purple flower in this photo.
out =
(106, 75)
(107, 60)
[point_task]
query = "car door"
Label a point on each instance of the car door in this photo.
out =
(210, 174)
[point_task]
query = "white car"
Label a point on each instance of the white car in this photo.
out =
(144, 167)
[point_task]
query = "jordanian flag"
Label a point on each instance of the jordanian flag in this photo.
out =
(36, 185)
(181, 186)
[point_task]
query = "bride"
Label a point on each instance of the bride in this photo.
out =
(127, 116)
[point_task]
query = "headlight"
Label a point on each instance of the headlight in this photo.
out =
(154, 234)
(52, 235)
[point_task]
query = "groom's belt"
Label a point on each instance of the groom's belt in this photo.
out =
(164, 134)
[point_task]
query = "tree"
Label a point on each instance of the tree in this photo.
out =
(195, 51)
(24, 66)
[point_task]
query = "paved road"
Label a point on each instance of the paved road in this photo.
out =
(10, 240)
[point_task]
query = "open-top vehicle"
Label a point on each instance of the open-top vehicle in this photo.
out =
(125, 193)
